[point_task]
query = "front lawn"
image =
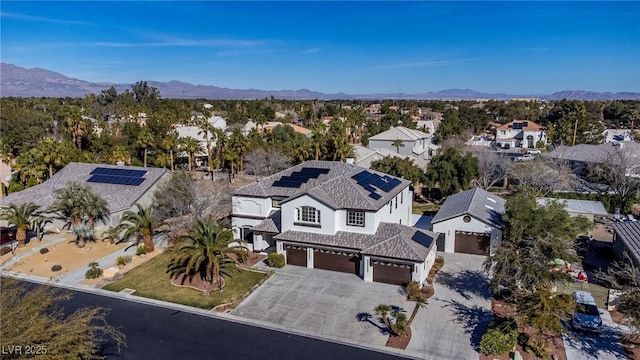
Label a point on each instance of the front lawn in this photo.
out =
(151, 280)
(425, 209)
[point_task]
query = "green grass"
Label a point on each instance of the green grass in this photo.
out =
(430, 209)
(150, 280)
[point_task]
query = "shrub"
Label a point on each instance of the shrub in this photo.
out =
(413, 289)
(94, 271)
(55, 268)
(439, 261)
(500, 338)
(122, 260)
(44, 251)
(141, 250)
(5, 250)
(275, 260)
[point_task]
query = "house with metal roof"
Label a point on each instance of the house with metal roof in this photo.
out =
(587, 208)
(336, 216)
(471, 222)
(120, 186)
(626, 240)
(520, 133)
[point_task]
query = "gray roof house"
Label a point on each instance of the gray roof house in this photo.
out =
(121, 186)
(627, 239)
(471, 222)
(587, 208)
(627, 152)
(336, 216)
(416, 145)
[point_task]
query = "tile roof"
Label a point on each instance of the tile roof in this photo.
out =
(118, 197)
(629, 233)
(402, 133)
(577, 206)
(596, 153)
(480, 204)
(531, 126)
(390, 241)
(272, 224)
(336, 189)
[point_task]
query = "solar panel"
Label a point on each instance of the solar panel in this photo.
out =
(116, 180)
(375, 196)
(361, 175)
(297, 178)
(118, 172)
(422, 239)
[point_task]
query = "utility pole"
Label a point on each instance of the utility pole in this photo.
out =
(575, 131)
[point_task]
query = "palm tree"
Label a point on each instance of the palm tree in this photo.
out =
(145, 140)
(82, 232)
(112, 234)
(170, 143)
(420, 303)
(95, 208)
(206, 130)
(397, 143)
(191, 146)
(383, 311)
(69, 202)
(205, 251)
(240, 145)
(20, 216)
(140, 223)
(317, 132)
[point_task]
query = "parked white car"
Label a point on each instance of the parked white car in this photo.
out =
(534, 152)
(524, 157)
(587, 315)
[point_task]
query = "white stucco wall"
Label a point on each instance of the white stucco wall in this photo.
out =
(252, 206)
(421, 270)
(449, 228)
(327, 216)
(400, 215)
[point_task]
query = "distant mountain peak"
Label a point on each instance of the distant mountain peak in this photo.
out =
(38, 82)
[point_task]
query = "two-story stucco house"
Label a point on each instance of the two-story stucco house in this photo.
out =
(336, 216)
(471, 222)
(522, 134)
(415, 144)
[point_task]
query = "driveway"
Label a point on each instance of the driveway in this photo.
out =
(322, 303)
(329, 305)
(603, 346)
(458, 313)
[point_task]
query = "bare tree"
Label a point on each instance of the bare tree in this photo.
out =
(277, 161)
(179, 196)
(544, 177)
(493, 167)
(620, 170)
(256, 162)
(625, 277)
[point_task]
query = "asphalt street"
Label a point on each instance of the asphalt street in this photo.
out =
(161, 333)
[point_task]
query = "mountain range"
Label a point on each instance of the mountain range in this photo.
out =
(36, 82)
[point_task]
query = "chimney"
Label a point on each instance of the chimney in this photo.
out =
(349, 160)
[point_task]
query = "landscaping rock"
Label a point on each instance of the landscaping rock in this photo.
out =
(110, 273)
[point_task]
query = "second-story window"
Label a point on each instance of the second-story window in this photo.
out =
(355, 218)
(308, 214)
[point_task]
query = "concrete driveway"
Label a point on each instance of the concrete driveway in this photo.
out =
(322, 303)
(603, 346)
(458, 313)
(328, 304)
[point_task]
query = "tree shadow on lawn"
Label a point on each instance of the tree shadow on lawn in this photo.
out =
(594, 345)
(467, 283)
(474, 319)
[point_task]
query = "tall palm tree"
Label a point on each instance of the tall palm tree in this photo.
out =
(240, 144)
(205, 251)
(192, 147)
(69, 202)
(317, 133)
(420, 303)
(145, 140)
(170, 143)
(20, 216)
(83, 232)
(205, 130)
(397, 143)
(95, 208)
(140, 223)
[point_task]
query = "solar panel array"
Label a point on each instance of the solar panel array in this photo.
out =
(129, 177)
(368, 180)
(297, 178)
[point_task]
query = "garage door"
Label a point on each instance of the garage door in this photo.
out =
(472, 243)
(296, 255)
(336, 260)
(391, 273)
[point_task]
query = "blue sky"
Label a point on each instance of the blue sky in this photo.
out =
(353, 47)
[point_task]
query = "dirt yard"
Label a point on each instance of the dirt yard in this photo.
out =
(64, 253)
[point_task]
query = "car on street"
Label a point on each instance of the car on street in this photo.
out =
(534, 152)
(587, 315)
(524, 157)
